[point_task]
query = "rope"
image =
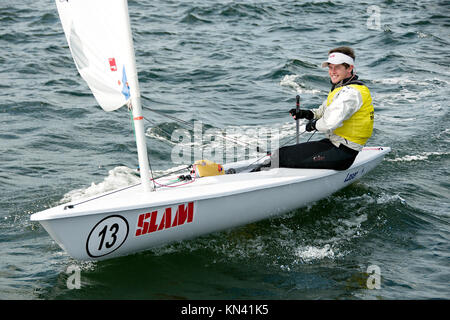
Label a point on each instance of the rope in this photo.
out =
(187, 124)
(178, 185)
(295, 137)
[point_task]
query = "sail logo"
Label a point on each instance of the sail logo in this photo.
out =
(158, 220)
(112, 64)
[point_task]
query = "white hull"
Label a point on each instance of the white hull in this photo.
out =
(131, 220)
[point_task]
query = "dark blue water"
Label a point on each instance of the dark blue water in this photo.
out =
(233, 64)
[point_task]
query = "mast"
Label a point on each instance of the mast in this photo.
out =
(138, 118)
(141, 145)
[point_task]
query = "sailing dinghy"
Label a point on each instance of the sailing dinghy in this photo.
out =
(140, 217)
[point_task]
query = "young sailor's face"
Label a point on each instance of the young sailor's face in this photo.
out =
(338, 72)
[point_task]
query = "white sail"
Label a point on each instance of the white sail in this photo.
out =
(98, 35)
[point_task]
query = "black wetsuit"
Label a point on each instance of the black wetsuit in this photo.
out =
(320, 154)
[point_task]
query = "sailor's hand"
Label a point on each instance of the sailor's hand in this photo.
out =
(301, 114)
(311, 126)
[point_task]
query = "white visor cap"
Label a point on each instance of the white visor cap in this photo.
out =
(338, 58)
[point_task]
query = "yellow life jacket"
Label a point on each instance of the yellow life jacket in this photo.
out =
(358, 128)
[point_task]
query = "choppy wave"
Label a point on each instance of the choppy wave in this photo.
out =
(418, 157)
(290, 82)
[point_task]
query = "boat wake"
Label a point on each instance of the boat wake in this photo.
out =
(311, 253)
(315, 234)
(118, 177)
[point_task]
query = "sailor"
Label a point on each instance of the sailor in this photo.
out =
(345, 118)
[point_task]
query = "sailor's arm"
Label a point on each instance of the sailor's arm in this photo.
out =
(348, 101)
(318, 112)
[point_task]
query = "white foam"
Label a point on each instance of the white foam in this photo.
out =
(289, 81)
(388, 198)
(409, 81)
(118, 177)
(419, 157)
(444, 135)
(311, 253)
(399, 80)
